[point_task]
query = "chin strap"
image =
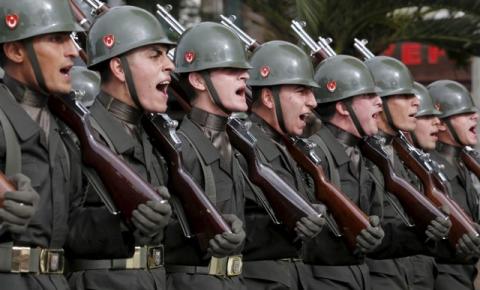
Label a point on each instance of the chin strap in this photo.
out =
(453, 132)
(278, 108)
(36, 66)
(213, 92)
(130, 84)
(353, 115)
(388, 115)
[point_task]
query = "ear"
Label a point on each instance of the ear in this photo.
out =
(442, 127)
(266, 97)
(341, 109)
(15, 51)
(196, 81)
(116, 68)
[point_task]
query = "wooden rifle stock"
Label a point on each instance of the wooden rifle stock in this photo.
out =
(201, 213)
(461, 222)
(471, 159)
(287, 204)
(416, 205)
(5, 185)
(126, 188)
(348, 216)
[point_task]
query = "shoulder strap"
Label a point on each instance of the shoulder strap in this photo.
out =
(332, 169)
(210, 188)
(13, 153)
(102, 133)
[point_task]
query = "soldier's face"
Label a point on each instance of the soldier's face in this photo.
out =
(367, 109)
(403, 109)
(426, 132)
(465, 126)
(55, 53)
(297, 104)
(231, 84)
(151, 70)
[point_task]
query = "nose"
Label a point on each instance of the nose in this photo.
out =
(311, 102)
(169, 66)
(377, 101)
(475, 117)
(70, 48)
(244, 75)
(436, 121)
(415, 101)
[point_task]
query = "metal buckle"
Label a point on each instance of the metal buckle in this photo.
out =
(21, 259)
(226, 266)
(155, 257)
(234, 265)
(51, 261)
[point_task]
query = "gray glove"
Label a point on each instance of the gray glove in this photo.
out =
(19, 206)
(469, 244)
(228, 243)
(151, 217)
(371, 237)
(308, 227)
(438, 229)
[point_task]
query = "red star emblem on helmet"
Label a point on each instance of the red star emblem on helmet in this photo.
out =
(11, 20)
(264, 71)
(189, 56)
(109, 40)
(331, 86)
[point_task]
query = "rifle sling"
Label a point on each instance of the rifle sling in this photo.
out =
(13, 153)
(332, 169)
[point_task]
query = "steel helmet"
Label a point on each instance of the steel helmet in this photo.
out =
(451, 97)
(391, 76)
(280, 63)
(341, 77)
(426, 106)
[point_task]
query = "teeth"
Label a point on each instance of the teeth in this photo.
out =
(165, 82)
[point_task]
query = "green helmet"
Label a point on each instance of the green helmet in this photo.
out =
(426, 106)
(280, 63)
(391, 76)
(22, 19)
(120, 30)
(341, 77)
(451, 97)
(86, 82)
(209, 45)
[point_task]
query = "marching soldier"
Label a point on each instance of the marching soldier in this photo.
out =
(282, 82)
(459, 119)
(131, 57)
(399, 109)
(37, 55)
(211, 62)
(348, 106)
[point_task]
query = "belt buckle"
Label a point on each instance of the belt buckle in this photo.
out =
(217, 266)
(234, 265)
(20, 259)
(155, 257)
(51, 261)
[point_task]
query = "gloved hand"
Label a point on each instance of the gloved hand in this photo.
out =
(308, 227)
(19, 206)
(228, 243)
(151, 217)
(371, 237)
(438, 229)
(469, 244)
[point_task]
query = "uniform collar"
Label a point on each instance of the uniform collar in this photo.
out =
(208, 120)
(333, 144)
(25, 95)
(344, 137)
(207, 151)
(266, 128)
(449, 152)
(119, 109)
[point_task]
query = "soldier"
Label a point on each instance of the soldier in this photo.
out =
(131, 57)
(457, 129)
(281, 81)
(211, 62)
(348, 108)
(399, 109)
(37, 55)
(425, 134)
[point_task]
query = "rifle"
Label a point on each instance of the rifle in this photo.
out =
(287, 204)
(85, 23)
(348, 216)
(471, 159)
(250, 43)
(127, 189)
(201, 213)
(421, 164)
(98, 7)
(360, 46)
(5, 185)
(417, 206)
(318, 50)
